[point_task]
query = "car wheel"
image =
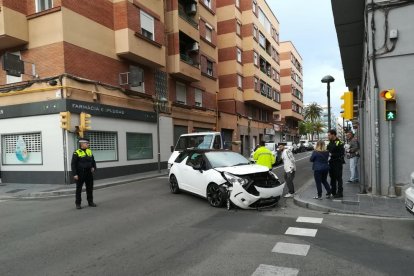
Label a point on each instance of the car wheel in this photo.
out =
(175, 189)
(215, 196)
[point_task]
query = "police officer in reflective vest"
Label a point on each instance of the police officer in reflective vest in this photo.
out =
(337, 159)
(83, 166)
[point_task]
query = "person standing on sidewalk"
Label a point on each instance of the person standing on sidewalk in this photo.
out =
(336, 151)
(320, 167)
(263, 156)
(289, 166)
(83, 166)
(353, 156)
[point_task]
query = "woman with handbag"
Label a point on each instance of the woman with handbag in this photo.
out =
(320, 167)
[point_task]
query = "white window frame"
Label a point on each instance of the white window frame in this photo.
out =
(208, 3)
(181, 93)
(255, 58)
(239, 55)
(254, 7)
(100, 150)
(209, 33)
(238, 27)
(238, 3)
(33, 145)
(198, 97)
(210, 70)
(239, 81)
(47, 3)
(148, 26)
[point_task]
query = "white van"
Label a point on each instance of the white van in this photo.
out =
(197, 140)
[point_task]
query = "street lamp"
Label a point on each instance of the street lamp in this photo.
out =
(159, 102)
(328, 79)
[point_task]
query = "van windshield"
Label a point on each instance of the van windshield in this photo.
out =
(196, 142)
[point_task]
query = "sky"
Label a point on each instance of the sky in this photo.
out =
(310, 26)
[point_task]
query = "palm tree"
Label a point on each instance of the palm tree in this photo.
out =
(312, 112)
(318, 126)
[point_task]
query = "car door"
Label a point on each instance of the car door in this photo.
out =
(194, 175)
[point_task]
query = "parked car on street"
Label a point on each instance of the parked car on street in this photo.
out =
(225, 177)
(409, 196)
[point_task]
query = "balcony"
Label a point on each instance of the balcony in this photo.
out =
(259, 100)
(13, 28)
(184, 67)
(288, 113)
(138, 48)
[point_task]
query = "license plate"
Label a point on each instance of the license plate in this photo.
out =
(409, 203)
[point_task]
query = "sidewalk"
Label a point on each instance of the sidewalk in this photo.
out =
(39, 191)
(352, 202)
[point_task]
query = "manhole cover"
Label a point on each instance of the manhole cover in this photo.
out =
(15, 191)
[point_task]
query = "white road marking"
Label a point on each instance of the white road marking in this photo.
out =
(309, 220)
(301, 231)
(269, 270)
(291, 248)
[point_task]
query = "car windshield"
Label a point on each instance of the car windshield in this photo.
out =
(219, 159)
(196, 141)
(270, 146)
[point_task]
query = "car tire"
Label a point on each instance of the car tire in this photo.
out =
(216, 197)
(175, 189)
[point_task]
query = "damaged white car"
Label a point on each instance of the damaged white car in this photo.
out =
(225, 177)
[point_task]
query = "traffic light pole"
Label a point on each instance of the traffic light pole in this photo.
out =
(391, 186)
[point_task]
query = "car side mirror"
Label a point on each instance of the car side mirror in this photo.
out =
(172, 148)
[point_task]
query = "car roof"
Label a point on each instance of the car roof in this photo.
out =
(200, 133)
(207, 150)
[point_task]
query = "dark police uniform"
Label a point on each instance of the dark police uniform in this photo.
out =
(336, 161)
(82, 164)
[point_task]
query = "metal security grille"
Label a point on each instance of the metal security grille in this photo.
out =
(100, 140)
(33, 142)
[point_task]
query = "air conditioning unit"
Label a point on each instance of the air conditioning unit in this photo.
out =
(195, 47)
(192, 9)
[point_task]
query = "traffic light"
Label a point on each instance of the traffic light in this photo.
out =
(348, 105)
(85, 121)
(390, 104)
(65, 120)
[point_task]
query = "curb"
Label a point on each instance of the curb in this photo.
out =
(71, 191)
(316, 207)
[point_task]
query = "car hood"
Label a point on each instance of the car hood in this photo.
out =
(244, 169)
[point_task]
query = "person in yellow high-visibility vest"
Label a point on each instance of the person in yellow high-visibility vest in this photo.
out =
(264, 156)
(83, 167)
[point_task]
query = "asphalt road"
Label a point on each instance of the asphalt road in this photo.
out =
(143, 229)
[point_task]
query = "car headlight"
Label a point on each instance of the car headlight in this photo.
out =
(233, 179)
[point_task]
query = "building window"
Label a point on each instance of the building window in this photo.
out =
(265, 22)
(239, 55)
(19, 149)
(255, 31)
(147, 25)
(262, 40)
(208, 3)
(14, 79)
(209, 33)
(198, 97)
(238, 3)
(181, 93)
(256, 84)
(254, 7)
(238, 27)
(139, 146)
(255, 59)
(104, 145)
(239, 81)
(42, 5)
(209, 68)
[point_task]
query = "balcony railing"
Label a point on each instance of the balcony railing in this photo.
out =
(187, 18)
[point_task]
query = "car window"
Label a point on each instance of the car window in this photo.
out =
(181, 157)
(195, 159)
(217, 142)
(196, 142)
(219, 159)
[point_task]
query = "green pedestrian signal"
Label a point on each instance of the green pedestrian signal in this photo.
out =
(391, 115)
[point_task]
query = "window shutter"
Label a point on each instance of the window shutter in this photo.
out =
(147, 22)
(181, 93)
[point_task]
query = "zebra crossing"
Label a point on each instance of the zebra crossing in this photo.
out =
(290, 249)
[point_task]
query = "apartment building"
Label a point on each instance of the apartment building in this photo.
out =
(192, 65)
(248, 69)
(105, 58)
(291, 78)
